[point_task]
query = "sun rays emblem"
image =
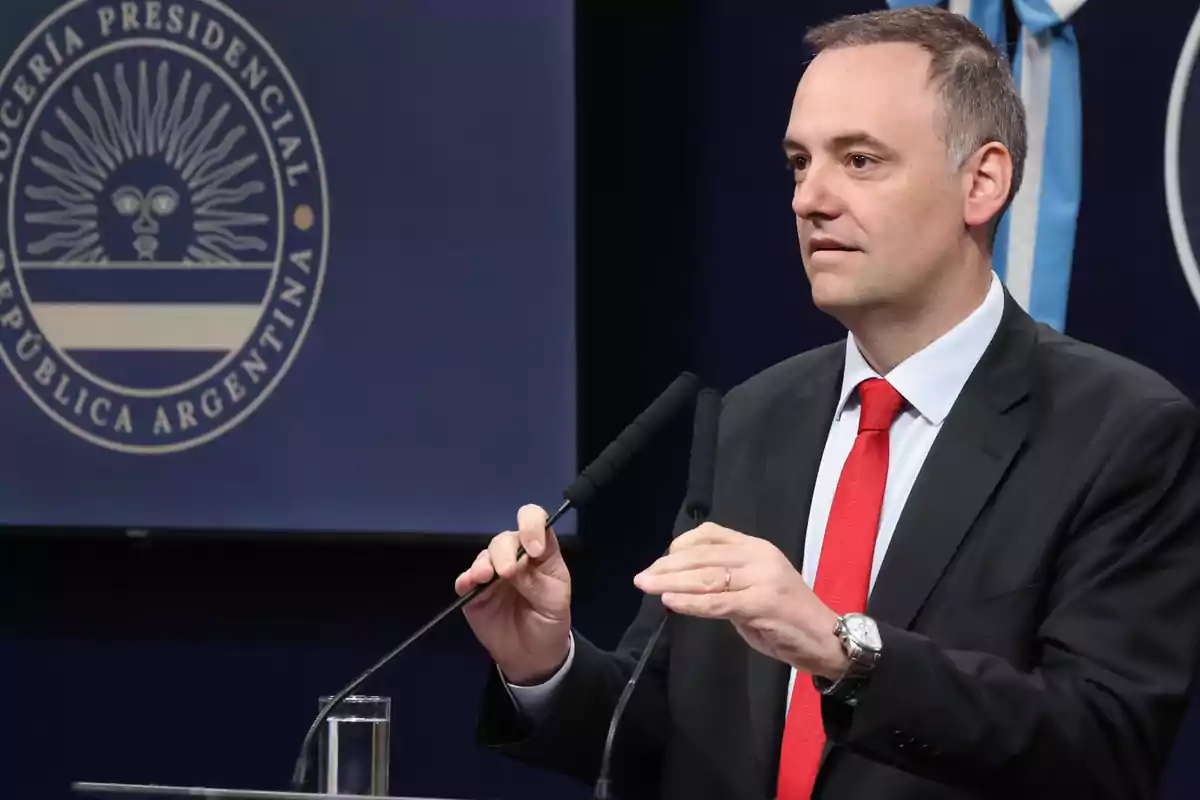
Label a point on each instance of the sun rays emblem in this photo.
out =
(174, 123)
(167, 222)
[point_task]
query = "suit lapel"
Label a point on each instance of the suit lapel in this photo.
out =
(792, 440)
(978, 441)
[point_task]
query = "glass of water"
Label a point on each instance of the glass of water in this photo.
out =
(354, 746)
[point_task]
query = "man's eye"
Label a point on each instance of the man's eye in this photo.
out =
(859, 161)
(797, 162)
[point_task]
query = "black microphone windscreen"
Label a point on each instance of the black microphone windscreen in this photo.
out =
(613, 457)
(702, 466)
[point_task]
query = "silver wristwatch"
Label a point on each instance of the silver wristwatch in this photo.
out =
(860, 639)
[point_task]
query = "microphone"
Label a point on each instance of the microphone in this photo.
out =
(579, 493)
(697, 505)
(702, 466)
(612, 458)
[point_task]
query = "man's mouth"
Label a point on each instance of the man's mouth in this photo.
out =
(819, 244)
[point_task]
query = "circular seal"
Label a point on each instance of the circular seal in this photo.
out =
(166, 221)
(1182, 164)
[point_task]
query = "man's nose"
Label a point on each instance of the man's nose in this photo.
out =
(815, 195)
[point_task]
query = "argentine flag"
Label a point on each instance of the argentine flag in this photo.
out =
(1036, 239)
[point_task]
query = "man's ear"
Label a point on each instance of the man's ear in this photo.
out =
(987, 176)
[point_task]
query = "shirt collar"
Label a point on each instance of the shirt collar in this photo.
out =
(931, 379)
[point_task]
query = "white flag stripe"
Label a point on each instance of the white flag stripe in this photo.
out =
(962, 7)
(1023, 221)
(1063, 9)
(146, 327)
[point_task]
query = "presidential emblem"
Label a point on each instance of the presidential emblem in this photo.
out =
(1183, 163)
(166, 221)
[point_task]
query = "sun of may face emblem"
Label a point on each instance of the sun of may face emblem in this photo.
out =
(167, 221)
(204, 156)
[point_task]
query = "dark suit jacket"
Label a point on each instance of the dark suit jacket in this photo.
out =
(1039, 602)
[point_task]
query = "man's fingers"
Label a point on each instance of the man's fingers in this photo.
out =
(705, 580)
(482, 570)
(479, 572)
(503, 553)
(500, 557)
(705, 555)
(709, 606)
(706, 533)
(538, 540)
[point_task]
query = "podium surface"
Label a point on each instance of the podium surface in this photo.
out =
(110, 791)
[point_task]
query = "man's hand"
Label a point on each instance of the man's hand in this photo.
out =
(524, 620)
(719, 573)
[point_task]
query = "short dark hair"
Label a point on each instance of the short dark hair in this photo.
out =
(980, 100)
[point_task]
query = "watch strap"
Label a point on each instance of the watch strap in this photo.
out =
(846, 687)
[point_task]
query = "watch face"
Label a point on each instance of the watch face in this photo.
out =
(863, 630)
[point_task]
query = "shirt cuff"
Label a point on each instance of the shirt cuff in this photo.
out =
(534, 701)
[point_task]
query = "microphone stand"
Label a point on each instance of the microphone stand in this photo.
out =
(299, 775)
(579, 493)
(699, 505)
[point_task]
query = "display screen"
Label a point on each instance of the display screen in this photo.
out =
(303, 266)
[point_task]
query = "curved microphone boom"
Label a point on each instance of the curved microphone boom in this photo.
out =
(578, 494)
(697, 505)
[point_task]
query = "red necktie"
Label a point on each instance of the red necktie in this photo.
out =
(843, 573)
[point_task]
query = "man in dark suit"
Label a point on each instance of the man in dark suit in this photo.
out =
(954, 556)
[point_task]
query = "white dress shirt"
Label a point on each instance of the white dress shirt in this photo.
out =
(930, 382)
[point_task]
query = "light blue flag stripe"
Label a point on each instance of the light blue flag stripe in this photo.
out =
(989, 16)
(1062, 180)
(1000, 247)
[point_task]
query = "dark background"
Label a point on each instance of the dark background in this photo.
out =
(199, 660)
